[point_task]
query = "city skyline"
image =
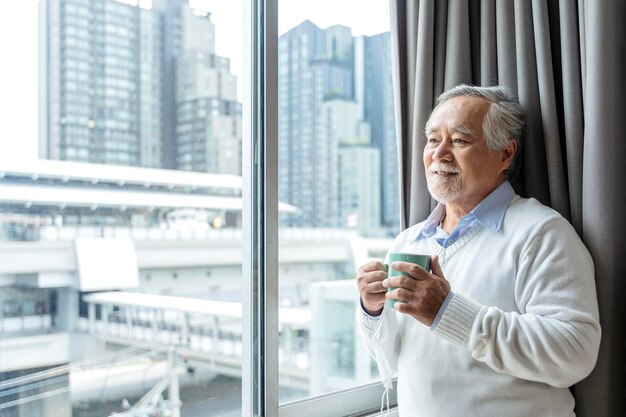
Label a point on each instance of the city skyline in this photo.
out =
(101, 259)
(18, 81)
(335, 98)
(145, 87)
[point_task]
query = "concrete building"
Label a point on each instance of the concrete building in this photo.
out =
(356, 197)
(131, 86)
(101, 88)
(359, 184)
(314, 65)
(89, 309)
(335, 92)
(375, 93)
(208, 116)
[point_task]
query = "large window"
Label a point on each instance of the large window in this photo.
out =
(184, 201)
(120, 209)
(336, 144)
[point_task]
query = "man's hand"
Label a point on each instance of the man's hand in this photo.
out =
(422, 292)
(369, 279)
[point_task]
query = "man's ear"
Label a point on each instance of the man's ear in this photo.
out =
(508, 154)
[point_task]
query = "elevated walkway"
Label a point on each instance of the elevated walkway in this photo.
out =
(203, 330)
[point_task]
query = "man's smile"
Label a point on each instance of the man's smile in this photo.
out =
(444, 173)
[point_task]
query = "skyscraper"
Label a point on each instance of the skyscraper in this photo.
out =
(336, 107)
(314, 66)
(208, 116)
(359, 184)
(102, 84)
(358, 167)
(375, 92)
(126, 85)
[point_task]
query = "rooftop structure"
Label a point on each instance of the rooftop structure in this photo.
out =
(106, 194)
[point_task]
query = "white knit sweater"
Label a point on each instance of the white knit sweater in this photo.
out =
(521, 328)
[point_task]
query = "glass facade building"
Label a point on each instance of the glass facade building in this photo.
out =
(118, 92)
(335, 91)
(208, 116)
(103, 83)
(314, 66)
(377, 97)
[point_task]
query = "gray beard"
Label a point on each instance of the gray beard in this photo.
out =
(444, 191)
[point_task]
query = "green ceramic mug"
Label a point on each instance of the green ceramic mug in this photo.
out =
(421, 260)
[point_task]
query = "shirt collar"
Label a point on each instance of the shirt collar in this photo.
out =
(489, 212)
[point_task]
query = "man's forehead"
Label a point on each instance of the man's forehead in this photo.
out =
(463, 105)
(458, 113)
(463, 128)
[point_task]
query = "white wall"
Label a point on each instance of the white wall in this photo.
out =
(37, 351)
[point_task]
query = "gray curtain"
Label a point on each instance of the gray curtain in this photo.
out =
(566, 61)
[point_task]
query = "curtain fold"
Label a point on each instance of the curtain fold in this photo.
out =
(572, 102)
(604, 197)
(547, 100)
(565, 61)
(488, 45)
(458, 63)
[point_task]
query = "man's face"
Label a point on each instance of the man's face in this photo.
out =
(460, 168)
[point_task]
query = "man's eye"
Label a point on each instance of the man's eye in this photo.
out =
(432, 140)
(459, 141)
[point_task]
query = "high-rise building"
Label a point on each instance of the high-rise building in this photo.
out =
(375, 93)
(126, 85)
(356, 199)
(102, 83)
(208, 116)
(314, 66)
(359, 185)
(335, 92)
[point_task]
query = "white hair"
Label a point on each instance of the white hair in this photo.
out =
(504, 120)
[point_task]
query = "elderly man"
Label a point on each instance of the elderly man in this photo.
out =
(507, 319)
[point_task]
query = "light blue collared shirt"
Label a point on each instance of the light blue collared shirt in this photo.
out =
(488, 213)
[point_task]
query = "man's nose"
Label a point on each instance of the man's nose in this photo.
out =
(443, 151)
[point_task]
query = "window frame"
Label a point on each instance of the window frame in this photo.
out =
(260, 373)
(260, 211)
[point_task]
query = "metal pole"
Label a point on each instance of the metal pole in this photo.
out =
(91, 317)
(173, 389)
(154, 315)
(128, 313)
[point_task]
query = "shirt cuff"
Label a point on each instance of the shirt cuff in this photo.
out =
(442, 309)
(369, 316)
(458, 318)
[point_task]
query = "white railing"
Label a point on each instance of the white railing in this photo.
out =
(26, 324)
(218, 340)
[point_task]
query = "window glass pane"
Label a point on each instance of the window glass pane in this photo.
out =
(120, 208)
(338, 174)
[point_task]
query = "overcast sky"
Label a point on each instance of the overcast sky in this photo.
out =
(18, 43)
(364, 17)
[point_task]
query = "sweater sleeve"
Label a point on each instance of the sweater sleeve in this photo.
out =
(379, 336)
(554, 336)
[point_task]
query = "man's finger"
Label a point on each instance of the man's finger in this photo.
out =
(375, 276)
(374, 266)
(376, 287)
(435, 267)
(414, 270)
(400, 281)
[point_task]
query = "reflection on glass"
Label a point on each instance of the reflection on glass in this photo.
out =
(120, 242)
(337, 167)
